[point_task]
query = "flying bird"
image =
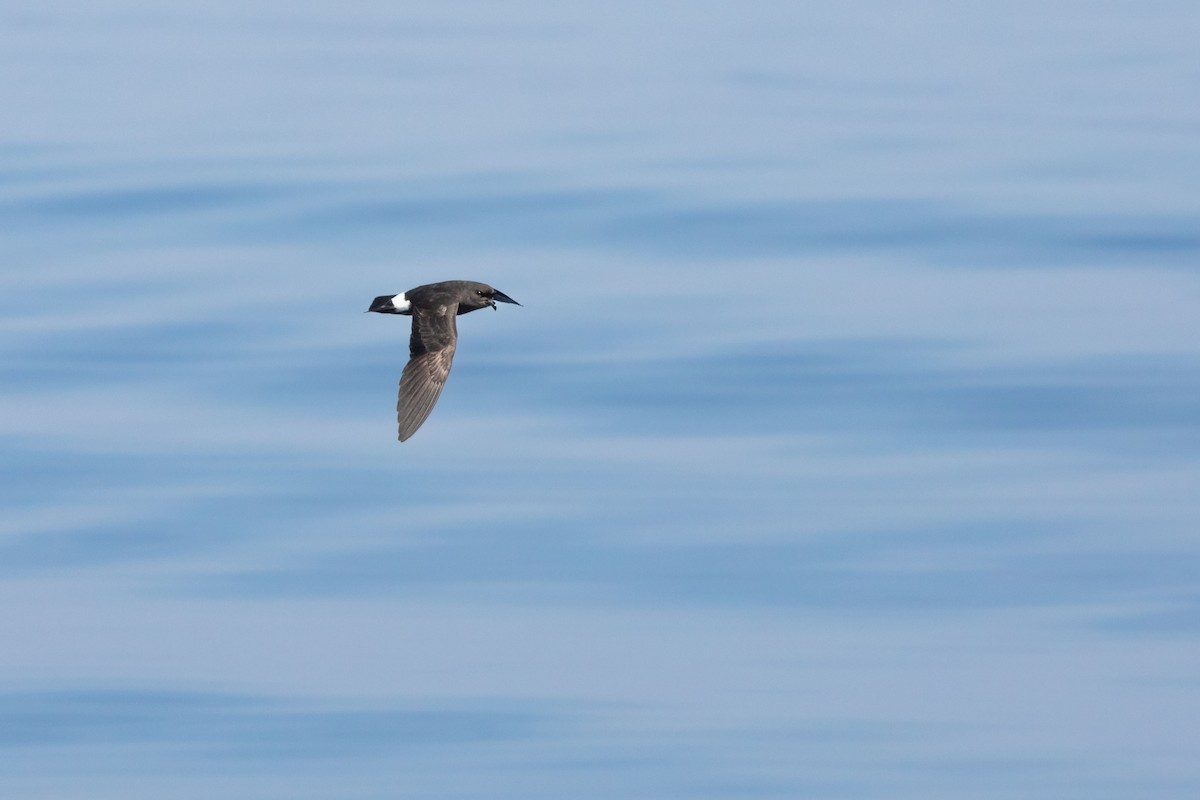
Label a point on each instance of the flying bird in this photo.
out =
(433, 308)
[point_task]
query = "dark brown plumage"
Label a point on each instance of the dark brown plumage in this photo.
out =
(433, 308)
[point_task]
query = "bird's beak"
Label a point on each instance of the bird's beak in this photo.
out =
(503, 298)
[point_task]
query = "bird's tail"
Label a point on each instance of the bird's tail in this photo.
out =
(383, 304)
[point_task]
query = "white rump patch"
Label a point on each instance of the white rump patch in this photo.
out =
(401, 303)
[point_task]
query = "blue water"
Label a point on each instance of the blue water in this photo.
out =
(846, 444)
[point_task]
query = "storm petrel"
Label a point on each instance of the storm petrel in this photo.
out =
(434, 335)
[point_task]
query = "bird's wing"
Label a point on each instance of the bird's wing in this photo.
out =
(434, 336)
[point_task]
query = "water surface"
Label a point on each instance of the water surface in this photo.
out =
(845, 444)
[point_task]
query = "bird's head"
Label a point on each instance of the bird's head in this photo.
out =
(483, 295)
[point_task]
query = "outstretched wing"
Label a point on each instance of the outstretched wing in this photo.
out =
(434, 336)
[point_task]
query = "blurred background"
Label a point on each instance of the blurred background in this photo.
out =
(846, 444)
